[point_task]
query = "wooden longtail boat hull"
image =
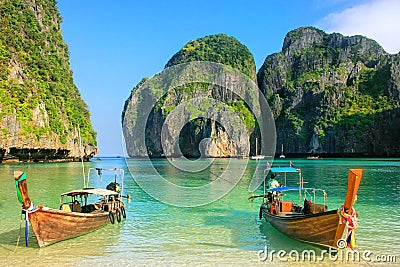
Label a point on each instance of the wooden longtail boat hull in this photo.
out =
(51, 225)
(322, 229)
(319, 229)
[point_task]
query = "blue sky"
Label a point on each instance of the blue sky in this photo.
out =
(114, 44)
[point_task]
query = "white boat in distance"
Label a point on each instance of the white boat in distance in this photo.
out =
(282, 156)
(256, 156)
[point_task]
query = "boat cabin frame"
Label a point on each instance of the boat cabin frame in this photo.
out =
(77, 200)
(109, 200)
(282, 207)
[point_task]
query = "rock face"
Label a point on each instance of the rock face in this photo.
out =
(200, 135)
(41, 110)
(332, 94)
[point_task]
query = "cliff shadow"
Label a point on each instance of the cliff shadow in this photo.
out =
(366, 134)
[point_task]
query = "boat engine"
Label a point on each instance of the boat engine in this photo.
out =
(114, 186)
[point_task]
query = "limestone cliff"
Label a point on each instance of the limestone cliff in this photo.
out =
(218, 48)
(330, 95)
(333, 94)
(41, 110)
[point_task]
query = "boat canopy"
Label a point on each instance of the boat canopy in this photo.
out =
(283, 169)
(291, 188)
(95, 191)
(283, 188)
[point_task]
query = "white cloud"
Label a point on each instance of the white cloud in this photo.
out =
(377, 19)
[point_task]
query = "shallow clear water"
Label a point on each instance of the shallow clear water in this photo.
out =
(224, 233)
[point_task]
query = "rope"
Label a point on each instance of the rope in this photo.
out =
(19, 237)
(19, 234)
(32, 208)
(351, 222)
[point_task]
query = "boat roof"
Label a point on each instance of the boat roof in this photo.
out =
(291, 188)
(95, 191)
(283, 169)
(283, 188)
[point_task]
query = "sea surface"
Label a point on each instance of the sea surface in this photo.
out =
(226, 232)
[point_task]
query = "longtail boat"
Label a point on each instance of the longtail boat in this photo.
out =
(80, 211)
(305, 220)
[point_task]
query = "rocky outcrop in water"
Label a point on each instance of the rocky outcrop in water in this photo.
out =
(200, 135)
(332, 94)
(41, 110)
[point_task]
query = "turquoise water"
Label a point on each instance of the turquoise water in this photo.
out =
(224, 233)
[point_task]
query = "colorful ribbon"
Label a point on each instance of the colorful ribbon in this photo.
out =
(351, 221)
(23, 177)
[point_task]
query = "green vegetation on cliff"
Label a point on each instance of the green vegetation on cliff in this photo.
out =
(219, 48)
(328, 93)
(35, 72)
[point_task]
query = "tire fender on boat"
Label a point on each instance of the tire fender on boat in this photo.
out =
(118, 215)
(111, 217)
(123, 212)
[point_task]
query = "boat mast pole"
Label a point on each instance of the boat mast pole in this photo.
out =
(314, 191)
(101, 177)
(300, 186)
(122, 181)
(264, 189)
(265, 186)
(256, 147)
(80, 154)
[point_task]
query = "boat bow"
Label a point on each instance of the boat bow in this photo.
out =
(22, 189)
(312, 222)
(353, 183)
